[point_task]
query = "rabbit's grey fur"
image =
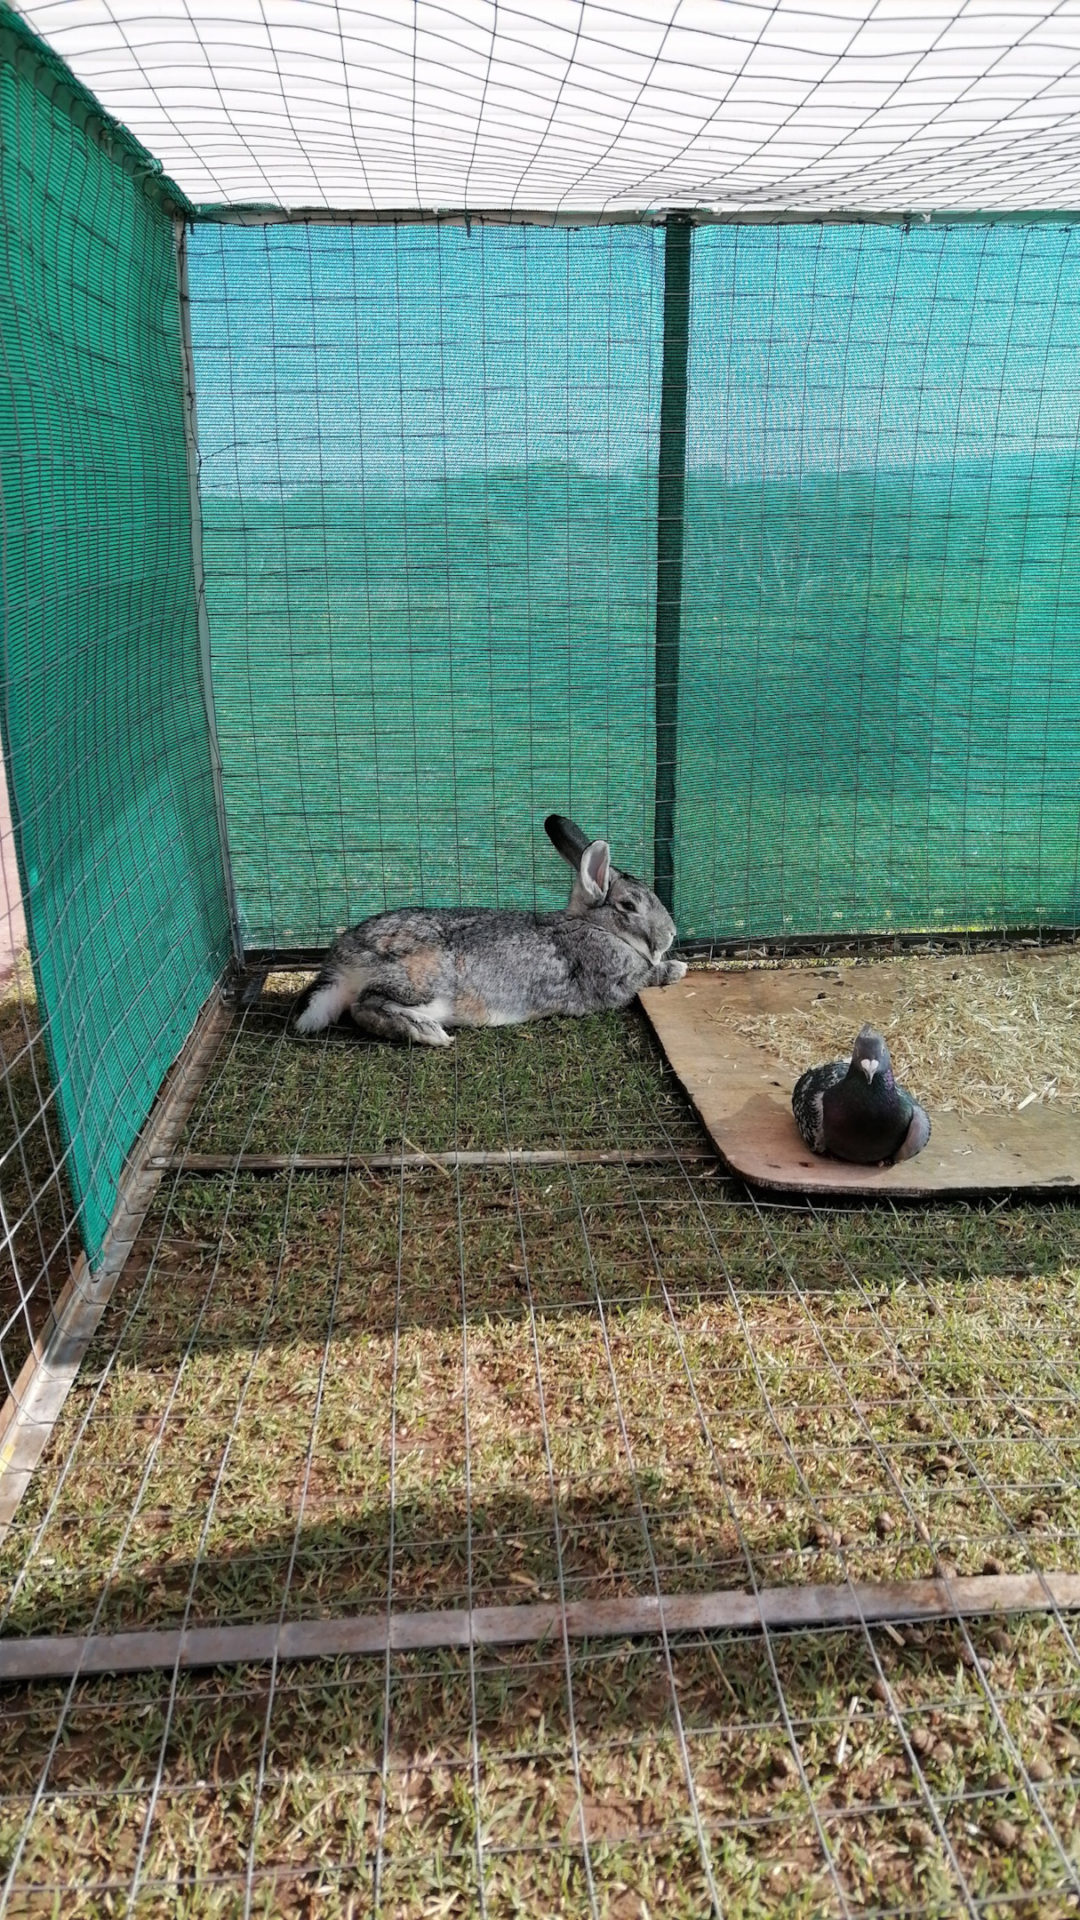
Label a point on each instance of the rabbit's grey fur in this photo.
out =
(411, 974)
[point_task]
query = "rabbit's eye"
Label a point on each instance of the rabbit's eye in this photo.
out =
(629, 906)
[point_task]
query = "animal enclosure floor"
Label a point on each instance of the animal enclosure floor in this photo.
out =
(338, 1392)
(738, 1041)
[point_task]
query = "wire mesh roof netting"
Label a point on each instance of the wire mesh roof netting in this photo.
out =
(741, 106)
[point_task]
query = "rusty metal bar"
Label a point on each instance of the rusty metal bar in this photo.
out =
(853, 1604)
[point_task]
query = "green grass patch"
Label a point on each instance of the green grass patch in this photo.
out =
(463, 1380)
(599, 1081)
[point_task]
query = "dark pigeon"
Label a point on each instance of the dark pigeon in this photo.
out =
(854, 1110)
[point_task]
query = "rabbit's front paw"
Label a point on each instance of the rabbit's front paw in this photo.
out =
(672, 970)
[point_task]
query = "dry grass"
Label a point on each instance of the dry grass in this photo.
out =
(968, 1032)
(710, 1390)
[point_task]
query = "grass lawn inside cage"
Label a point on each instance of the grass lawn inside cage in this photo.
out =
(893, 1781)
(317, 1394)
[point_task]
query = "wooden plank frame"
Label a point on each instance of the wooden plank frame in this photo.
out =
(212, 1163)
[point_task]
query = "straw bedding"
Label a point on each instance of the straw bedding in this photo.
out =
(970, 1032)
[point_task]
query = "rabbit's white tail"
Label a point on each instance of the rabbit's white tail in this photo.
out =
(328, 1001)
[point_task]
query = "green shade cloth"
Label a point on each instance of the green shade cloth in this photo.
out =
(880, 651)
(105, 732)
(429, 508)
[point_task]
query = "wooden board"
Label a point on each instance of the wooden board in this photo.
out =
(743, 1093)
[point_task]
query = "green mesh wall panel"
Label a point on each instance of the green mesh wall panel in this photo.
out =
(880, 695)
(428, 482)
(104, 730)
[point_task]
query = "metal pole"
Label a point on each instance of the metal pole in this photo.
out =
(191, 438)
(671, 491)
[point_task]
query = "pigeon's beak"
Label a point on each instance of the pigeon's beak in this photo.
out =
(870, 1067)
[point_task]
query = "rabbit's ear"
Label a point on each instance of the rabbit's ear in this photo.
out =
(566, 838)
(595, 870)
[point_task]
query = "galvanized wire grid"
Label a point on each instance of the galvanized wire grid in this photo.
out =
(577, 106)
(783, 606)
(40, 1239)
(429, 529)
(363, 1391)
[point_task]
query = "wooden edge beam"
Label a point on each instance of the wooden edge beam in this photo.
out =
(48, 1372)
(414, 1162)
(851, 1605)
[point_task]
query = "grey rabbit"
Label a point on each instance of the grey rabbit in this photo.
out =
(411, 974)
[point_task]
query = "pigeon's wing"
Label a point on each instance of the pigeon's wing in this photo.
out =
(806, 1101)
(917, 1135)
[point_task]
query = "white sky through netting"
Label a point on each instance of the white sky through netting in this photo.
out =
(737, 105)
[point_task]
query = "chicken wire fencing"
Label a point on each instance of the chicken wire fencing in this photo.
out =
(334, 553)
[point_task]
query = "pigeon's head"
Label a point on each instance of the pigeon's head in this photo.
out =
(870, 1056)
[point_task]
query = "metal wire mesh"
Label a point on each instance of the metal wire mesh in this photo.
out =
(570, 1380)
(577, 105)
(322, 1787)
(427, 471)
(379, 1391)
(111, 850)
(877, 724)
(430, 490)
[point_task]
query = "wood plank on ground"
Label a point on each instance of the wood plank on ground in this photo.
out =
(742, 1093)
